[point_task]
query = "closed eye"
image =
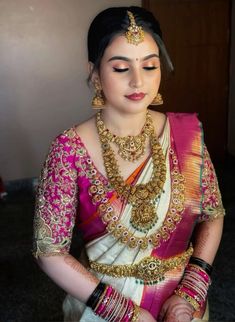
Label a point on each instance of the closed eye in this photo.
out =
(150, 67)
(120, 70)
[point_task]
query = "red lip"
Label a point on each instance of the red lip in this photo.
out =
(136, 96)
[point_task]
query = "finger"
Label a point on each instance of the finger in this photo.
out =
(162, 314)
(178, 313)
(170, 317)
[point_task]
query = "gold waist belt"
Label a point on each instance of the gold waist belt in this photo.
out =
(149, 270)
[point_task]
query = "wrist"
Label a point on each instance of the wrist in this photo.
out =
(194, 286)
(110, 305)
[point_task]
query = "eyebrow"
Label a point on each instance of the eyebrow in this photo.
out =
(129, 60)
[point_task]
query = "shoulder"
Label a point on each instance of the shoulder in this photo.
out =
(85, 127)
(182, 117)
(74, 133)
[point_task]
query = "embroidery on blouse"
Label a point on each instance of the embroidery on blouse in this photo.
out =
(212, 206)
(56, 199)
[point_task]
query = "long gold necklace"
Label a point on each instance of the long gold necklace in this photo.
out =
(140, 196)
(131, 147)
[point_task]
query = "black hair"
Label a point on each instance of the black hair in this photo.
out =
(113, 21)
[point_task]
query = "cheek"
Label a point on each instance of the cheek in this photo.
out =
(111, 84)
(157, 77)
(155, 82)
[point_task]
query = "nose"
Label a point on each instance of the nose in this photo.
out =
(136, 80)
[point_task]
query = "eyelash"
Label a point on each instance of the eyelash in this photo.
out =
(150, 68)
(122, 70)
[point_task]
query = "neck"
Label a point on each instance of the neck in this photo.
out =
(124, 124)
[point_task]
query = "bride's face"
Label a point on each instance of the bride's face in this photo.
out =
(130, 75)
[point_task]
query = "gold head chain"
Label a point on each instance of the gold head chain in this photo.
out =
(134, 34)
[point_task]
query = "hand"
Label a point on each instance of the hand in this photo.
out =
(176, 309)
(145, 316)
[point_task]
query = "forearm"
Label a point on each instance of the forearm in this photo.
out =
(207, 239)
(70, 275)
(75, 279)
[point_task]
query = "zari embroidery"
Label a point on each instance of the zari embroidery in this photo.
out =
(212, 206)
(56, 200)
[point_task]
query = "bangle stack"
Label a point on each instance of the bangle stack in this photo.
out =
(194, 285)
(95, 296)
(201, 263)
(112, 306)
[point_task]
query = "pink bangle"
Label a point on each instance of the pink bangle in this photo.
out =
(106, 296)
(200, 271)
(129, 312)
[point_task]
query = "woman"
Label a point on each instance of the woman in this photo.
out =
(138, 184)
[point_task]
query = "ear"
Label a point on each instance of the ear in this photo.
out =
(93, 72)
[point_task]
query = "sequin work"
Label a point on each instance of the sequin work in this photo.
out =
(56, 201)
(212, 202)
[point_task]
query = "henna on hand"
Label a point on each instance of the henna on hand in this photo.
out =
(201, 240)
(75, 265)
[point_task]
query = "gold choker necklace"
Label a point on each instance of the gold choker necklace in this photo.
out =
(140, 196)
(131, 147)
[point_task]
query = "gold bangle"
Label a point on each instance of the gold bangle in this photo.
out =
(188, 298)
(136, 314)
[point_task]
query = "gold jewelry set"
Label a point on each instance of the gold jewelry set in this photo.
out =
(140, 196)
(134, 35)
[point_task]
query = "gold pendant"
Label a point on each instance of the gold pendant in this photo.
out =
(131, 148)
(143, 216)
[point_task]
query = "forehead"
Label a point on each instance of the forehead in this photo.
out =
(120, 47)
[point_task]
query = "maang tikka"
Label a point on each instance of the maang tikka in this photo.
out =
(134, 33)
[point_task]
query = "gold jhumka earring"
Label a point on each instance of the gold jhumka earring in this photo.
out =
(134, 34)
(98, 100)
(157, 100)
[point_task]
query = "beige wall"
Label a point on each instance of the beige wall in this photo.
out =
(42, 76)
(231, 133)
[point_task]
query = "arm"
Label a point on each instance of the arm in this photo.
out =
(70, 275)
(74, 278)
(207, 239)
(54, 220)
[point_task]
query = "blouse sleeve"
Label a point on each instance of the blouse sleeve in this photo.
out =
(212, 206)
(56, 201)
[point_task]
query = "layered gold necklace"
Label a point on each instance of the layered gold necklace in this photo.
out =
(140, 196)
(131, 147)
